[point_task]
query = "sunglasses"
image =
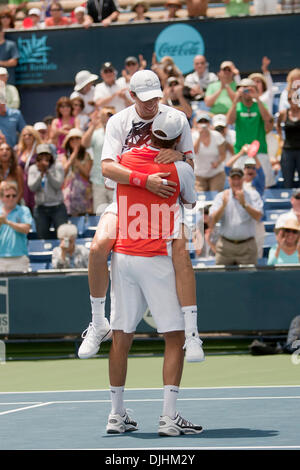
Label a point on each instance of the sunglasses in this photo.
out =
(4, 16)
(55, 9)
(8, 196)
(226, 69)
(131, 63)
(108, 71)
(65, 106)
(27, 135)
(289, 230)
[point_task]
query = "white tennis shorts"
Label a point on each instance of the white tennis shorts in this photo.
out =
(139, 282)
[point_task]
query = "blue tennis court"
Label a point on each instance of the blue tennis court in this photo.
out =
(232, 418)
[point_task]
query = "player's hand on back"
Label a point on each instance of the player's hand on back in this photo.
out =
(158, 184)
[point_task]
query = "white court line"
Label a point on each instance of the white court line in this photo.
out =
(154, 388)
(24, 408)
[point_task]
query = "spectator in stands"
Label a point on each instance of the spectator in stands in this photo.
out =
(287, 249)
(7, 19)
(11, 92)
(42, 128)
(26, 155)
(11, 121)
(196, 8)
(205, 236)
(165, 69)
(290, 6)
(209, 147)
(62, 124)
(77, 164)
(252, 122)
(289, 122)
(9, 55)
(131, 65)
(293, 83)
(45, 179)
(173, 96)
(15, 224)
(105, 12)
(19, 18)
(9, 168)
(78, 112)
(219, 123)
(94, 138)
(237, 7)
(294, 213)
(85, 88)
(80, 18)
(57, 17)
(264, 84)
(220, 94)
(108, 92)
(69, 255)
(33, 20)
(198, 81)
(265, 7)
(172, 8)
(140, 9)
(237, 210)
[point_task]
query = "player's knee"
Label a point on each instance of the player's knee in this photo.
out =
(180, 255)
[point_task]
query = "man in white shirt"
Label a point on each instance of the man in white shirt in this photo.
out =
(237, 210)
(199, 80)
(109, 92)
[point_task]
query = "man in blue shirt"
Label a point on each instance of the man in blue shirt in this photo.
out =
(11, 122)
(15, 223)
(9, 55)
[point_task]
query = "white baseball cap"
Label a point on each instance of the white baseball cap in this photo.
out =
(146, 85)
(170, 123)
(34, 11)
(79, 9)
(3, 71)
(40, 126)
(219, 120)
(250, 161)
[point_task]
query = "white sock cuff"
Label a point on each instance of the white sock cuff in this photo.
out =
(189, 309)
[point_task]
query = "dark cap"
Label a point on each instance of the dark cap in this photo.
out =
(107, 66)
(131, 59)
(236, 172)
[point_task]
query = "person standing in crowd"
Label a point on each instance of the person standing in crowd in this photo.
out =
(45, 179)
(9, 55)
(265, 7)
(10, 170)
(172, 7)
(252, 122)
(237, 210)
(219, 123)
(108, 92)
(220, 94)
(77, 164)
(140, 9)
(81, 118)
(11, 121)
(93, 139)
(288, 128)
(26, 154)
(11, 92)
(105, 12)
(237, 7)
(174, 97)
(198, 81)
(85, 89)
(210, 153)
(57, 17)
(15, 224)
(131, 65)
(7, 19)
(69, 255)
(264, 84)
(287, 248)
(196, 8)
(127, 129)
(292, 83)
(136, 260)
(62, 124)
(33, 20)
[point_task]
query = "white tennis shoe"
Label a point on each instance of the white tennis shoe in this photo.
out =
(92, 338)
(193, 348)
(177, 426)
(118, 424)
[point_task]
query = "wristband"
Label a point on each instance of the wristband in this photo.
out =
(138, 179)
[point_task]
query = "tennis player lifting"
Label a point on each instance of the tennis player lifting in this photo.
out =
(125, 130)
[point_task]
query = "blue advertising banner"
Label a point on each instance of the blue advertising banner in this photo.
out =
(54, 56)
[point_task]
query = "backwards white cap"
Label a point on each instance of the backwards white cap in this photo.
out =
(170, 123)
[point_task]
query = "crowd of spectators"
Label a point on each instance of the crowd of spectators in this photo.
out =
(55, 163)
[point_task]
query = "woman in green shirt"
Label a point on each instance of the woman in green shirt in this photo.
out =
(237, 7)
(287, 250)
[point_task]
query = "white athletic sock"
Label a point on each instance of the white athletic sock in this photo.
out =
(117, 400)
(190, 319)
(98, 311)
(170, 399)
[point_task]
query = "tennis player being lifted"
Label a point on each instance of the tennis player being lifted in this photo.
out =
(125, 130)
(142, 274)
